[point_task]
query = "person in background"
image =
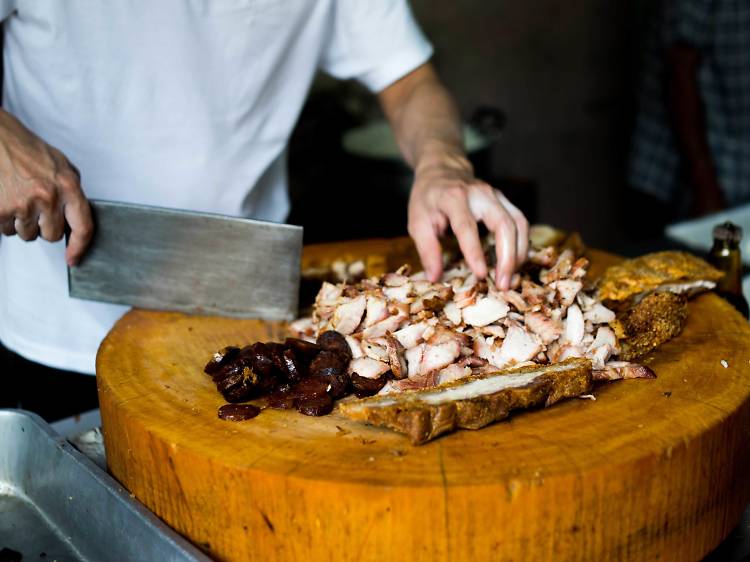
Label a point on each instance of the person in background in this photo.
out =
(690, 152)
(190, 105)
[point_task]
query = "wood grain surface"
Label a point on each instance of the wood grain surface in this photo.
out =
(651, 470)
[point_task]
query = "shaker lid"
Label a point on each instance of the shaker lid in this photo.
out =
(728, 231)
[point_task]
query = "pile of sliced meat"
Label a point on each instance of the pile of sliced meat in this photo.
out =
(410, 333)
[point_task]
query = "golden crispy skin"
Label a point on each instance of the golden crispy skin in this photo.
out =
(650, 272)
(410, 412)
(655, 319)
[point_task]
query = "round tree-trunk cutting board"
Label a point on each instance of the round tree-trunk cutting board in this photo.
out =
(652, 469)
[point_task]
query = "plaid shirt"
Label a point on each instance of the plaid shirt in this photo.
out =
(720, 30)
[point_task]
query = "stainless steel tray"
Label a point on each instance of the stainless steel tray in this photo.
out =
(55, 504)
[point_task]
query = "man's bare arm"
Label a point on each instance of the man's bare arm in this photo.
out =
(689, 123)
(445, 192)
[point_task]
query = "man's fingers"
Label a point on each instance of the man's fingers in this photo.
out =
(486, 206)
(52, 225)
(522, 228)
(505, 249)
(26, 228)
(428, 245)
(78, 216)
(7, 227)
(464, 226)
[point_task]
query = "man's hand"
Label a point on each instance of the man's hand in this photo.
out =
(449, 194)
(40, 190)
(445, 192)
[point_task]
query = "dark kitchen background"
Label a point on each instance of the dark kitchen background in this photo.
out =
(561, 73)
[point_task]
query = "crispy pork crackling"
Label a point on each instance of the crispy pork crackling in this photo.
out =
(675, 272)
(472, 403)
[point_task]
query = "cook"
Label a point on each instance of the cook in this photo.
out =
(190, 105)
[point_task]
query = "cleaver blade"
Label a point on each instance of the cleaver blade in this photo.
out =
(200, 263)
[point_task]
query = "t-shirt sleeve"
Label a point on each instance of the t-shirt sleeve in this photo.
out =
(688, 21)
(375, 42)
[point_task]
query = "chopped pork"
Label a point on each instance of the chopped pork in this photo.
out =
(425, 334)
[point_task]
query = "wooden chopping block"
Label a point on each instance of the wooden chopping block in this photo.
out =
(653, 469)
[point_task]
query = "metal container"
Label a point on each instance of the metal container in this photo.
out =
(55, 504)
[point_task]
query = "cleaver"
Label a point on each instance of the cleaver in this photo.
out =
(200, 263)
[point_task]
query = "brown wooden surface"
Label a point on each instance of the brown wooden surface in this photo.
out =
(650, 470)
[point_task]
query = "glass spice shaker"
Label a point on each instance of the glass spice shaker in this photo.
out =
(725, 256)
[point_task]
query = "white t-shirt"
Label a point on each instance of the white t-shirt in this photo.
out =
(179, 103)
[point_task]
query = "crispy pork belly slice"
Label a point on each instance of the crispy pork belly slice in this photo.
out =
(650, 272)
(328, 294)
(574, 326)
(516, 316)
(567, 289)
(427, 380)
(602, 347)
(453, 372)
(579, 268)
(374, 351)
(588, 337)
(376, 309)
(585, 302)
(483, 347)
(534, 294)
(422, 287)
(303, 328)
(396, 358)
(616, 370)
(515, 299)
(347, 316)
(518, 346)
(604, 336)
(493, 330)
(689, 289)
(355, 346)
(426, 358)
(600, 355)
(436, 299)
(540, 324)
(328, 298)
(473, 402)
(389, 324)
(559, 351)
(656, 319)
(561, 269)
(395, 280)
(453, 313)
(400, 293)
(465, 295)
(599, 314)
(441, 334)
(368, 368)
(568, 351)
(411, 335)
(485, 311)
